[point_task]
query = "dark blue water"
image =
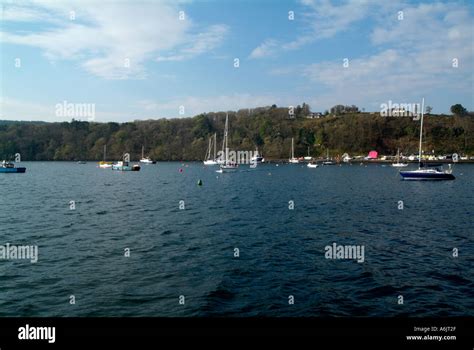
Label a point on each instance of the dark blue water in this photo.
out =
(191, 252)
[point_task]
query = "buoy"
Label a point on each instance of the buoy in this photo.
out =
(180, 170)
(199, 182)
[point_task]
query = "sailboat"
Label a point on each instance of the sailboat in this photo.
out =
(328, 161)
(104, 164)
(424, 171)
(398, 164)
(146, 160)
(227, 165)
(293, 160)
(209, 160)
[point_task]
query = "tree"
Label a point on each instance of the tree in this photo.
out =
(428, 109)
(306, 110)
(337, 109)
(458, 110)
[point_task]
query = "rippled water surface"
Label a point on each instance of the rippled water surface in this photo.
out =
(190, 252)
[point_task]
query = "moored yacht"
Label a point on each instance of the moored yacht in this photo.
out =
(104, 164)
(293, 160)
(9, 167)
(146, 160)
(424, 171)
(398, 164)
(227, 165)
(211, 160)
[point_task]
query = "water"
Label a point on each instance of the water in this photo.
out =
(190, 252)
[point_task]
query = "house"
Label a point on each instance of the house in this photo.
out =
(314, 115)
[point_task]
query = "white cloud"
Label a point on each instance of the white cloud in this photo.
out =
(105, 36)
(321, 20)
(413, 58)
(199, 44)
(265, 49)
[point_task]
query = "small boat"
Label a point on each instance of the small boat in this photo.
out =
(125, 166)
(257, 158)
(312, 165)
(426, 172)
(81, 162)
(146, 160)
(103, 164)
(209, 160)
(293, 160)
(227, 165)
(9, 167)
(398, 164)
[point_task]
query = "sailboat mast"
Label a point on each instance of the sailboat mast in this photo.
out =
(215, 143)
(225, 135)
(143, 152)
(421, 129)
(208, 152)
(292, 148)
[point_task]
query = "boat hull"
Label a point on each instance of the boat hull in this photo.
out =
(125, 168)
(13, 170)
(416, 176)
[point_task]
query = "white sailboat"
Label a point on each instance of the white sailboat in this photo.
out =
(227, 165)
(398, 164)
(146, 160)
(293, 160)
(328, 160)
(104, 164)
(211, 160)
(425, 171)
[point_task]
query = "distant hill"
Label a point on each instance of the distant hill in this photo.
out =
(271, 129)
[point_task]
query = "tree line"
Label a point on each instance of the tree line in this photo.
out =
(268, 128)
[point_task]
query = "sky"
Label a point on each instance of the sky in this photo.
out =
(149, 59)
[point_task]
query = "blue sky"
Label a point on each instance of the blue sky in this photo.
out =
(396, 50)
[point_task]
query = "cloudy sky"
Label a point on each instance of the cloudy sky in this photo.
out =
(153, 59)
